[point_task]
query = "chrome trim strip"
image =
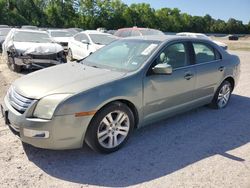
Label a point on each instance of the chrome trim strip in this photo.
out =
(194, 65)
(18, 101)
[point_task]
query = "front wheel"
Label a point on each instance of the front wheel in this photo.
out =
(222, 95)
(110, 128)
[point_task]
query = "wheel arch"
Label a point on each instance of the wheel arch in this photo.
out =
(131, 106)
(231, 80)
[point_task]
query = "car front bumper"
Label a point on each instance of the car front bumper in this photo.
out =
(40, 63)
(61, 132)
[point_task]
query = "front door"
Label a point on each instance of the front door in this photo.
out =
(167, 94)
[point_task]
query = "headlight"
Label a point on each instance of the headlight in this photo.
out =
(47, 105)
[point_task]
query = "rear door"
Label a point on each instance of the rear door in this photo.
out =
(209, 70)
(80, 48)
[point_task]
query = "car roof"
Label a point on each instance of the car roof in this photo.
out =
(135, 28)
(189, 33)
(58, 30)
(31, 31)
(163, 38)
(94, 32)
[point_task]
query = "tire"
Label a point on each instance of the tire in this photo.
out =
(70, 55)
(12, 65)
(222, 95)
(105, 134)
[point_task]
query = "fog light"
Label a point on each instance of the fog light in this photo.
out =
(35, 133)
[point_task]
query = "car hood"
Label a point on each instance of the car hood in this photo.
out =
(61, 39)
(37, 48)
(66, 78)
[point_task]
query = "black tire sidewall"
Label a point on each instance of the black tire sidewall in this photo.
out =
(91, 134)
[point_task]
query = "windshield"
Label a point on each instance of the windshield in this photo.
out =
(123, 55)
(60, 34)
(151, 32)
(102, 39)
(4, 32)
(24, 36)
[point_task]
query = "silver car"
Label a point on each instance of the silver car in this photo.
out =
(128, 84)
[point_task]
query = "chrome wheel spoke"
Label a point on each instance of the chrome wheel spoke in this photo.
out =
(123, 133)
(101, 139)
(123, 128)
(105, 121)
(110, 118)
(101, 134)
(120, 116)
(220, 96)
(115, 140)
(110, 142)
(113, 129)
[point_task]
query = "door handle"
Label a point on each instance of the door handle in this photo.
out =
(188, 76)
(221, 68)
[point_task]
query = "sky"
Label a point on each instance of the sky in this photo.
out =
(218, 9)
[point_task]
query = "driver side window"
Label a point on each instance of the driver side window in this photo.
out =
(174, 55)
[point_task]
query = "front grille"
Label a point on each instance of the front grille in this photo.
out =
(17, 101)
(49, 56)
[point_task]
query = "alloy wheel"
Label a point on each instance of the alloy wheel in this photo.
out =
(224, 95)
(113, 129)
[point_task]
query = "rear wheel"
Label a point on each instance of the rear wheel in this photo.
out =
(222, 95)
(12, 65)
(110, 128)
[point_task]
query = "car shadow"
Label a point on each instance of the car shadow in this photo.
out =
(154, 151)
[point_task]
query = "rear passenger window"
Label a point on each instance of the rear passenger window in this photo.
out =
(125, 33)
(174, 55)
(135, 33)
(204, 53)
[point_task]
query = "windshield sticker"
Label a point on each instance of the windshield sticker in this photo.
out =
(149, 49)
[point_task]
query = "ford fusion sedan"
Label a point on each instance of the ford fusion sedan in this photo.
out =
(123, 86)
(25, 48)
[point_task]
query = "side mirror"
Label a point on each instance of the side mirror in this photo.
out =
(163, 68)
(85, 41)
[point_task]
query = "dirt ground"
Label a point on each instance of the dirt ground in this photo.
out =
(200, 148)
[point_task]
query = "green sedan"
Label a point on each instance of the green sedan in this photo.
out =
(125, 85)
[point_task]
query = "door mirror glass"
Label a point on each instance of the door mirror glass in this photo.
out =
(163, 68)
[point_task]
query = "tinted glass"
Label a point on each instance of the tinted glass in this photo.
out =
(135, 33)
(102, 39)
(4, 32)
(125, 33)
(174, 55)
(24, 36)
(203, 53)
(60, 34)
(123, 55)
(151, 32)
(80, 37)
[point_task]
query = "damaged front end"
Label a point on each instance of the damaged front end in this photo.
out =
(30, 60)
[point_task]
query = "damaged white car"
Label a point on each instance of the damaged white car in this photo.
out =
(31, 49)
